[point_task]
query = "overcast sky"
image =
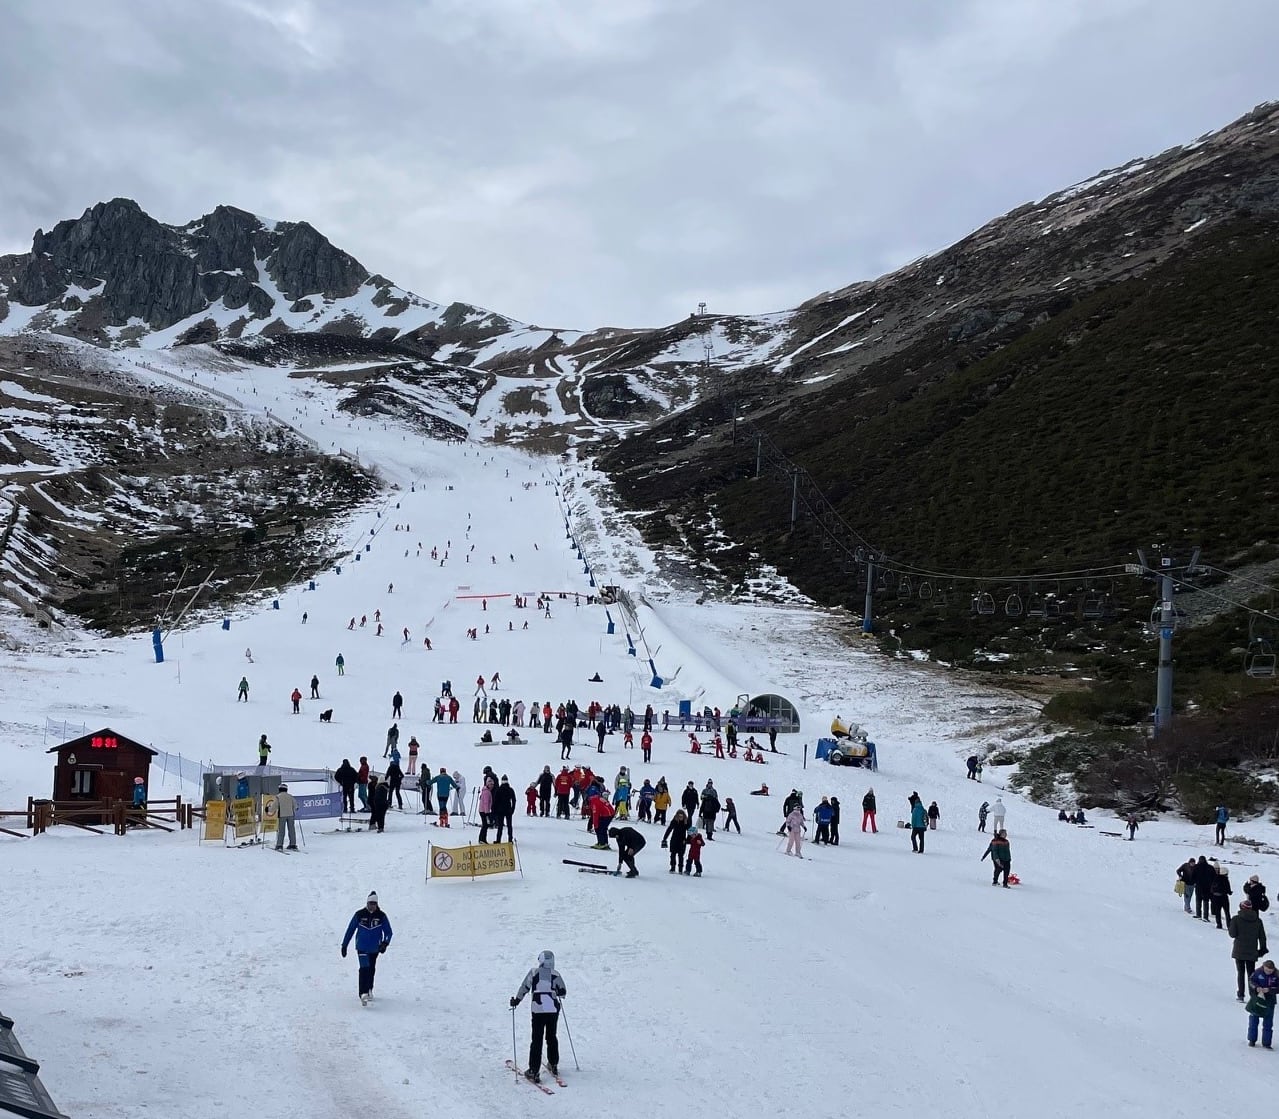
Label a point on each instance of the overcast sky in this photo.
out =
(608, 162)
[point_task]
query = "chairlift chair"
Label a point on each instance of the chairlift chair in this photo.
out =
(1260, 663)
(1093, 606)
(904, 587)
(925, 590)
(1013, 606)
(985, 603)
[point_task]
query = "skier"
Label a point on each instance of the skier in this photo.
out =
(1261, 1007)
(414, 747)
(372, 931)
(676, 839)
(795, 828)
(868, 811)
(600, 813)
(997, 811)
(981, 815)
(919, 825)
(646, 746)
(601, 729)
(347, 778)
(547, 988)
(444, 784)
(504, 802)
(1222, 818)
(730, 819)
(139, 793)
(1249, 935)
(394, 779)
(286, 811)
(629, 844)
(934, 815)
(264, 750)
(694, 859)
(315, 687)
(397, 706)
(485, 807)
(563, 788)
(1000, 856)
(242, 691)
(392, 739)
(340, 662)
(822, 814)
(296, 697)
(566, 740)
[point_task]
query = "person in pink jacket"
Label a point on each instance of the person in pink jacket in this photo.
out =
(795, 828)
(486, 810)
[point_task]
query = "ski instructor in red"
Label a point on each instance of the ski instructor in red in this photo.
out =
(547, 987)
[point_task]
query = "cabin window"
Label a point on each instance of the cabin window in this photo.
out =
(81, 782)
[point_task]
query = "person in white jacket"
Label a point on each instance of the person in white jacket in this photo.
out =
(997, 811)
(795, 828)
(459, 794)
(547, 987)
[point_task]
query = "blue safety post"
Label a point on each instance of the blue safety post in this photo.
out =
(157, 641)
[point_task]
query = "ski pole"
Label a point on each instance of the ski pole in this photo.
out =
(515, 1053)
(569, 1034)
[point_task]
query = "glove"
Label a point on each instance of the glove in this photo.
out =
(663, 845)
(385, 945)
(344, 951)
(514, 1002)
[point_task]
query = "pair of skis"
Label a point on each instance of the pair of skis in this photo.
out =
(559, 1080)
(591, 868)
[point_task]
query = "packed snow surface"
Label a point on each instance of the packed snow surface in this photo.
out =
(158, 975)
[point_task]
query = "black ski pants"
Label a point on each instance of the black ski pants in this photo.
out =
(348, 798)
(544, 1027)
(561, 807)
(544, 804)
(503, 820)
(1201, 904)
(1243, 972)
(368, 966)
(917, 839)
(1001, 868)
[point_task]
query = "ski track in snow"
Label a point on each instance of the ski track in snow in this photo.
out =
(157, 975)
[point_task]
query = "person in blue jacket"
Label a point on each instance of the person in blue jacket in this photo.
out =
(139, 793)
(444, 785)
(1222, 819)
(918, 826)
(823, 814)
(372, 931)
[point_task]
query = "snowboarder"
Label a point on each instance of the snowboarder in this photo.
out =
(919, 825)
(997, 811)
(547, 988)
(1000, 856)
(242, 692)
(286, 811)
(1249, 935)
(629, 844)
(868, 811)
(372, 931)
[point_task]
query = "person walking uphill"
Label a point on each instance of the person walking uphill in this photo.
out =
(372, 931)
(1249, 935)
(868, 811)
(1261, 1007)
(919, 826)
(1001, 856)
(1186, 876)
(546, 985)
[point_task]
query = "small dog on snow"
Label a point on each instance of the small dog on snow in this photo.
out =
(326, 716)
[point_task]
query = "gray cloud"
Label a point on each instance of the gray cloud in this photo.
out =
(588, 162)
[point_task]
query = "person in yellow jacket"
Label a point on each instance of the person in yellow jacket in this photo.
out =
(661, 802)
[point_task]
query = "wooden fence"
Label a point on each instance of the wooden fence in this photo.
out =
(119, 815)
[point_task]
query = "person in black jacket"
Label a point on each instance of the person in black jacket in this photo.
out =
(601, 729)
(1204, 876)
(1256, 891)
(1219, 895)
(566, 740)
(346, 776)
(504, 809)
(1186, 876)
(379, 802)
(676, 838)
(834, 821)
(394, 778)
(710, 810)
(629, 844)
(868, 812)
(545, 786)
(690, 800)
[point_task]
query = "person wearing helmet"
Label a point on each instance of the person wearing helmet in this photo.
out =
(547, 988)
(286, 809)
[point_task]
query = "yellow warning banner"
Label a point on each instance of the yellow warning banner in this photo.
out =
(471, 861)
(215, 819)
(243, 817)
(270, 813)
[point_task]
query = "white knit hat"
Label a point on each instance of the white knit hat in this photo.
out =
(371, 898)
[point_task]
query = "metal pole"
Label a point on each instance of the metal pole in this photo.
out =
(868, 610)
(794, 499)
(759, 453)
(569, 1033)
(515, 1053)
(1163, 684)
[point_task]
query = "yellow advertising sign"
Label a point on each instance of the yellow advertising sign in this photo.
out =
(242, 817)
(215, 819)
(468, 862)
(270, 813)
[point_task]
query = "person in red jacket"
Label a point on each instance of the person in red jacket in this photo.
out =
(530, 800)
(646, 744)
(601, 815)
(694, 747)
(297, 700)
(693, 855)
(563, 788)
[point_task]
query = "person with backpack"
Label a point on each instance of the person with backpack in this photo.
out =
(372, 931)
(546, 985)
(1001, 857)
(1261, 1007)
(1255, 890)
(868, 811)
(1221, 819)
(1249, 936)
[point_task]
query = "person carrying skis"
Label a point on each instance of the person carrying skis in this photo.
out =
(868, 811)
(981, 815)
(547, 988)
(1249, 935)
(1001, 857)
(676, 838)
(629, 844)
(1261, 1007)
(296, 697)
(694, 858)
(372, 931)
